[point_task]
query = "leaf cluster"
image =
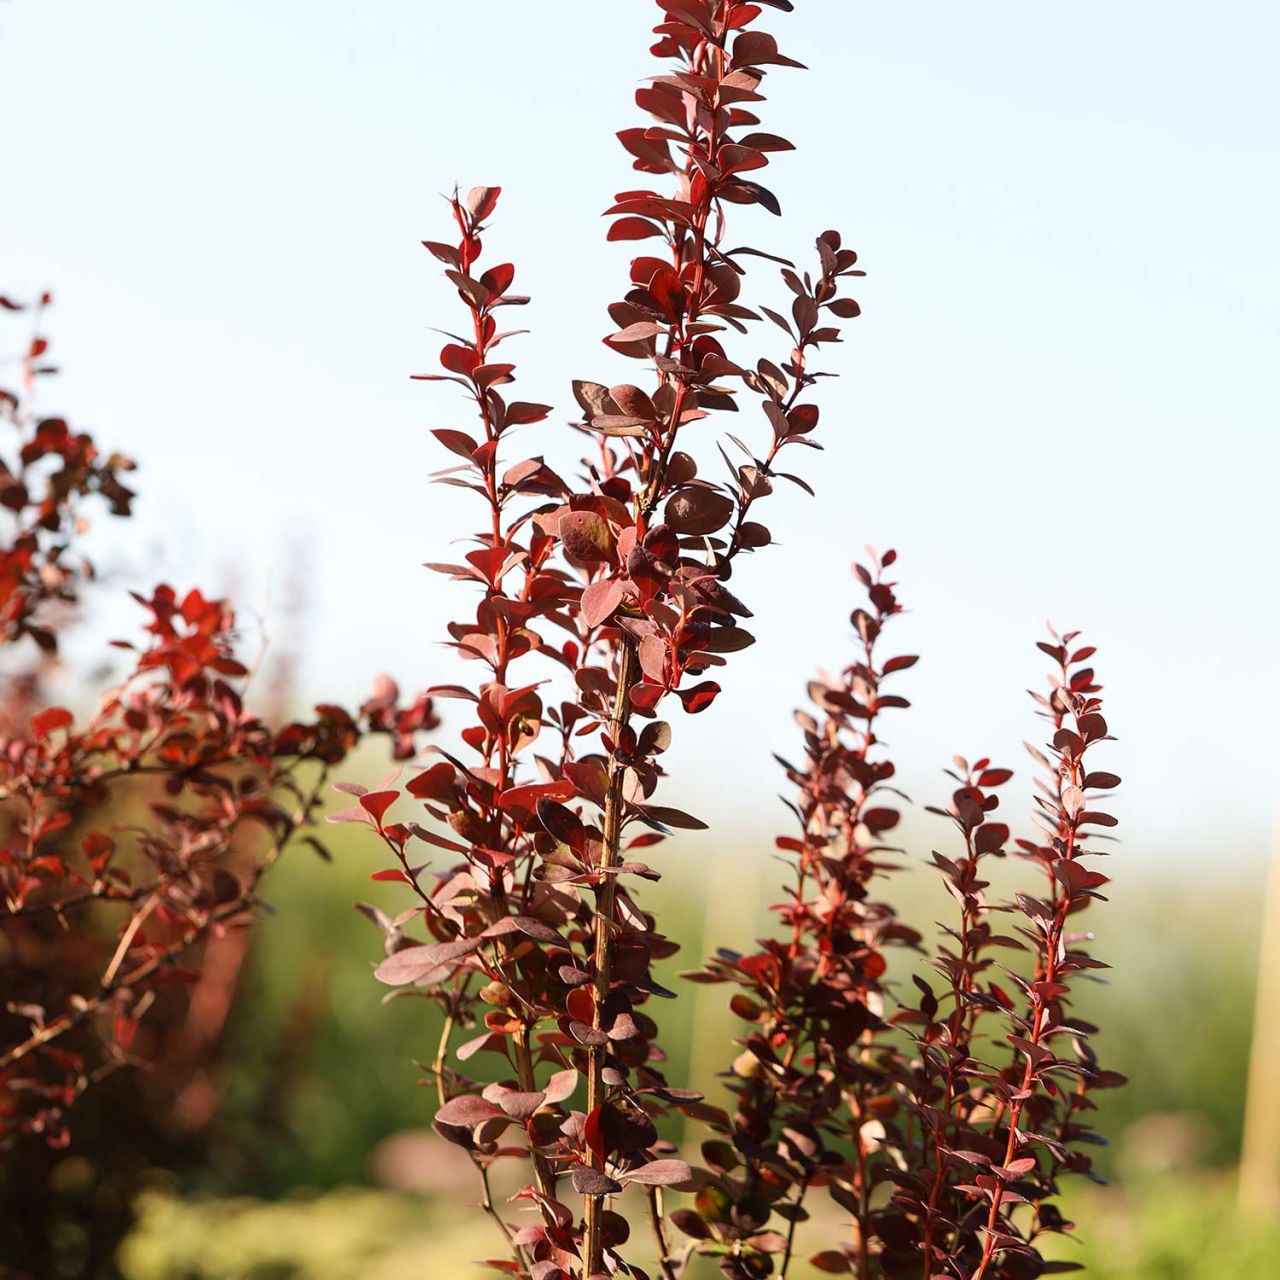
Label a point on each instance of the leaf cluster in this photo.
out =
(130, 837)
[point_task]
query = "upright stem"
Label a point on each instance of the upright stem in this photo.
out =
(619, 714)
(656, 1222)
(961, 987)
(491, 1210)
(442, 1053)
(593, 1209)
(543, 1175)
(442, 1094)
(544, 1178)
(791, 1232)
(1052, 946)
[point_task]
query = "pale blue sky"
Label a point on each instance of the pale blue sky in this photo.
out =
(1061, 400)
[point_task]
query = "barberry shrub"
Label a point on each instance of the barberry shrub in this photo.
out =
(939, 1124)
(613, 595)
(620, 580)
(938, 1118)
(132, 835)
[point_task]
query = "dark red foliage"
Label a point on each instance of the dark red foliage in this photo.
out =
(620, 579)
(530, 932)
(938, 1115)
(126, 837)
(819, 1071)
(46, 471)
(941, 1127)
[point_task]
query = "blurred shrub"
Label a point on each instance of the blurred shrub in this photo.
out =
(344, 1235)
(1173, 1229)
(1180, 1003)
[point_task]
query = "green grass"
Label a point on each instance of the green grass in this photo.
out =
(1157, 1229)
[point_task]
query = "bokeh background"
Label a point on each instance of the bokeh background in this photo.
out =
(1060, 403)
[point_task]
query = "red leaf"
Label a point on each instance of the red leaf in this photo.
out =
(674, 817)
(899, 664)
(416, 962)
(646, 696)
(698, 510)
(520, 413)
(46, 722)
(481, 201)
(700, 697)
(659, 1173)
(759, 49)
(994, 777)
(562, 823)
(436, 783)
(467, 1111)
(600, 599)
(638, 332)
(458, 359)
(498, 279)
(586, 536)
(376, 803)
(633, 229)
(527, 797)
(831, 1261)
(561, 1086)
